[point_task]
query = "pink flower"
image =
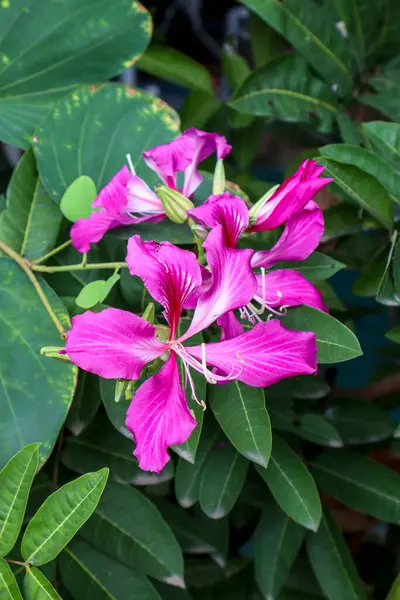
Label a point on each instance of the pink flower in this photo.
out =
(184, 154)
(125, 200)
(290, 197)
(276, 289)
(117, 344)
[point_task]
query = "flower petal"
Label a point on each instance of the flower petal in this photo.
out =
(262, 356)
(85, 232)
(113, 343)
(226, 210)
(230, 325)
(285, 287)
(169, 273)
(233, 282)
(299, 239)
(169, 159)
(291, 196)
(159, 417)
(113, 197)
(206, 283)
(141, 200)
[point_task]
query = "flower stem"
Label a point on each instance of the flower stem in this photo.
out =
(79, 267)
(54, 251)
(18, 562)
(25, 266)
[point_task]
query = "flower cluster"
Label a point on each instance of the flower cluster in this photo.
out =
(116, 344)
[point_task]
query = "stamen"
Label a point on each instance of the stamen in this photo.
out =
(130, 164)
(204, 364)
(188, 377)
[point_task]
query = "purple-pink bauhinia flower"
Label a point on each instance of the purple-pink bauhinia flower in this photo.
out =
(116, 344)
(128, 200)
(290, 197)
(276, 289)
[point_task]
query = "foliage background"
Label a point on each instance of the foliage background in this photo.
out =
(314, 79)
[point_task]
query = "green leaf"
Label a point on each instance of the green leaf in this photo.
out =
(8, 586)
(170, 64)
(316, 429)
(76, 202)
(38, 587)
(394, 593)
(240, 410)
(266, 44)
(236, 68)
(396, 266)
(88, 573)
(100, 445)
(348, 129)
(36, 392)
(359, 422)
(386, 102)
(360, 483)
(165, 231)
(335, 341)
(61, 516)
(284, 89)
(95, 42)
(314, 268)
(91, 130)
(31, 221)
(15, 483)
(96, 292)
(314, 36)
(222, 480)
(361, 19)
(385, 140)
(188, 476)
(390, 280)
(277, 542)
(292, 486)
(362, 188)
(332, 563)
(85, 403)
(145, 543)
(367, 161)
(394, 335)
(198, 108)
(116, 411)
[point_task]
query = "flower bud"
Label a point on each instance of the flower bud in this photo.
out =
(255, 209)
(121, 386)
(174, 203)
(149, 313)
(219, 178)
(55, 352)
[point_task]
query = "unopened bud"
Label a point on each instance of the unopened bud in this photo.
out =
(149, 314)
(255, 209)
(200, 232)
(219, 178)
(55, 352)
(174, 203)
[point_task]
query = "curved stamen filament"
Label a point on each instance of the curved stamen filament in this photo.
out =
(130, 164)
(188, 377)
(201, 367)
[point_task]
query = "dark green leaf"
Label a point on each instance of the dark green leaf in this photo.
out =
(170, 64)
(335, 341)
(291, 485)
(385, 139)
(394, 593)
(332, 562)
(277, 541)
(240, 410)
(166, 230)
(235, 67)
(36, 392)
(316, 267)
(76, 202)
(61, 516)
(37, 586)
(85, 403)
(128, 527)
(386, 102)
(396, 266)
(90, 131)
(360, 483)
(31, 221)
(367, 161)
(305, 26)
(362, 188)
(359, 422)
(188, 476)
(341, 219)
(15, 483)
(8, 586)
(286, 90)
(316, 429)
(198, 108)
(348, 129)
(266, 44)
(202, 573)
(90, 574)
(116, 411)
(389, 284)
(367, 284)
(94, 42)
(222, 480)
(361, 19)
(394, 335)
(331, 298)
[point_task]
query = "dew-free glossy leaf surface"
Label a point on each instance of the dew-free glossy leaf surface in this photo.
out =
(76, 202)
(15, 484)
(90, 131)
(35, 392)
(385, 139)
(359, 422)
(38, 587)
(314, 268)
(61, 516)
(8, 586)
(50, 47)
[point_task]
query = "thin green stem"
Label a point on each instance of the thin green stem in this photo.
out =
(79, 267)
(26, 266)
(54, 251)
